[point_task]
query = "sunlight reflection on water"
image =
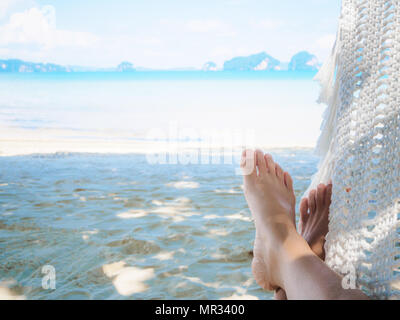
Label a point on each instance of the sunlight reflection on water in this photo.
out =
(116, 227)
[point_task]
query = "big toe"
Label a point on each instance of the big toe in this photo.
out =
(303, 214)
(248, 165)
(312, 201)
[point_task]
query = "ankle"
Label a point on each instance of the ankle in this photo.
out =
(293, 248)
(277, 229)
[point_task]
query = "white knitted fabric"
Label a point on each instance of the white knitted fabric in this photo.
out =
(360, 146)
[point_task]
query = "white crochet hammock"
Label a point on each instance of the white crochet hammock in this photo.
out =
(360, 146)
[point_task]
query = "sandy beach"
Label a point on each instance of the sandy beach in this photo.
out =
(20, 141)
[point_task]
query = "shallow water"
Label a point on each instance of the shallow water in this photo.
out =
(116, 227)
(280, 107)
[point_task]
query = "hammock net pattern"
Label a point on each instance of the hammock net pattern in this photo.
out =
(360, 146)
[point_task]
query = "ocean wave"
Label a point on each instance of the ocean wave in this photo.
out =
(184, 185)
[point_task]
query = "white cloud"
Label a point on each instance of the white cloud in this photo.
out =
(187, 40)
(5, 6)
(38, 27)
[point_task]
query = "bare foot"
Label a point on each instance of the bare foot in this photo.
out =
(282, 258)
(314, 218)
(269, 194)
(313, 224)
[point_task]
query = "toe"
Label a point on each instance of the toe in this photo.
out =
(311, 201)
(260, 162)
(270, 163)
(303, 213)
(248, 164)
(320, 196)
(278, 171)
(266, 157)
(288, 181)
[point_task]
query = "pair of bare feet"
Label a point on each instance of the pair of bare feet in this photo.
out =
(270, 196)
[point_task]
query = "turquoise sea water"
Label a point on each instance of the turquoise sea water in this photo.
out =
(190, 225)
(118, 227)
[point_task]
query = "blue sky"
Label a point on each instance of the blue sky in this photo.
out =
(163, 33)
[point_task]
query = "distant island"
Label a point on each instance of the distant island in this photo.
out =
(210, 66)
(19, 66)
(255, 62)
(302, 61)
(125, 67)
(14, 65)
